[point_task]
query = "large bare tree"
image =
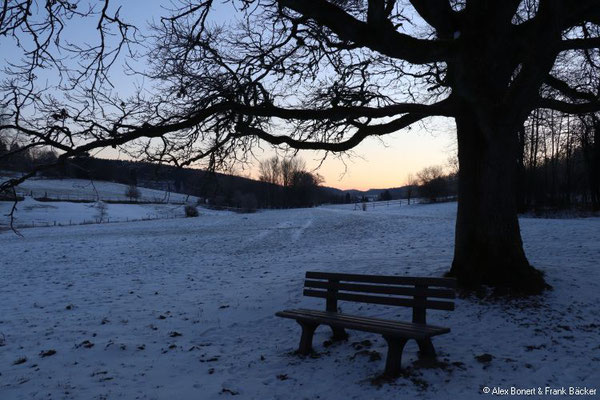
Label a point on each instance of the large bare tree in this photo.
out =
(321, 75)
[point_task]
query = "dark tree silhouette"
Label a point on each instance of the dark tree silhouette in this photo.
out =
(324, 75)
(385, 195)
(132, 192)
(433, 183)
(290, 185)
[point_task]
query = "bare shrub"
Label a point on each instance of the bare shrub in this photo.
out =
(249, 202)
(191, 210)
(132, 192)
(101, 211)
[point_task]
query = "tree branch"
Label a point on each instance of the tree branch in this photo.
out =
(574, 44)
(578, 12)
(438, 14)
(382, 38)
(567, 90)
(353, 141)
(128, 133)
(442, 108)
(569, 108)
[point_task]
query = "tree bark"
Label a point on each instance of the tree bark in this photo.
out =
(488, 246)
(595, 168)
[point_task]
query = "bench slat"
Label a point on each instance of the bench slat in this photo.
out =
(407, 327)
(398, 290)
(384, 279)
(371, 320)
(340, 321)
(390, 301)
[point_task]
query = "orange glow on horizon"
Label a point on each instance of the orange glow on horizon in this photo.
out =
(374, 164)
(377, 165)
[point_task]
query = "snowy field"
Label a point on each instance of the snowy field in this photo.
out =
(41, 213)
(74, 189)
(184, 309)
(31, 213)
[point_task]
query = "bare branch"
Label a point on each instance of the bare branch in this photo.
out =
(361, 134)
(438, 14)
(569, 108)
(573, 13)
(573, 44)
(379, 37)
(568, 91)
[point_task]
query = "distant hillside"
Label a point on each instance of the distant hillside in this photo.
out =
(72, 189)
(356, 195)
(212, 187)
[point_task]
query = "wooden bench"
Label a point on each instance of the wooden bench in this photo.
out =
(419, 293)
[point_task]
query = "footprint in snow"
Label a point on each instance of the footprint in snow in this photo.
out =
(47, 353)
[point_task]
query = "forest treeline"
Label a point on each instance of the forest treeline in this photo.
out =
(558, 166)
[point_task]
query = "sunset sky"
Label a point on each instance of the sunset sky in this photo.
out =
(375, 163)
(385, 163)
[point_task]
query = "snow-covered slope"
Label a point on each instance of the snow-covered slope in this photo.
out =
(184, 309)
(74, 189)
(41, 213)
(30, 212)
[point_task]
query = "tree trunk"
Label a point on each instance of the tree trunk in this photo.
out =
(488, 246)
(595, 168)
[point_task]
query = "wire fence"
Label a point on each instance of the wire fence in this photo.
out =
(47, 224)
(379, 204)
(364, 206)
(44, 196)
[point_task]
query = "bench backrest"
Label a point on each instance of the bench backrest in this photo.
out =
(420, 293)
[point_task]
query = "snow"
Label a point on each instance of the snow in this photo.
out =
(31, 213)
(74, 189)
(184, 308)
(40, 213)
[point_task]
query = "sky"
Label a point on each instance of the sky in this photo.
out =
(375, 163)
(380, 163)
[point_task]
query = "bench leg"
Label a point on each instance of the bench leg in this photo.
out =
(338, 333)
(308, 329)
(426, 349)
(393, 363)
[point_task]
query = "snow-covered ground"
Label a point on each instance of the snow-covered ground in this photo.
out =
(74, 189)
(184, 309)
(30, 212)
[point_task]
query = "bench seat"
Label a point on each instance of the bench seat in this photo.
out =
(386, 327)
